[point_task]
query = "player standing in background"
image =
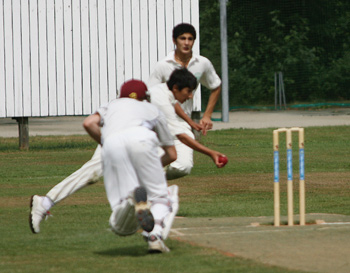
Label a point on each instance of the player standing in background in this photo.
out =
(127, 130)
(184, 36)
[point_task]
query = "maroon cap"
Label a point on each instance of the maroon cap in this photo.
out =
(134, 89)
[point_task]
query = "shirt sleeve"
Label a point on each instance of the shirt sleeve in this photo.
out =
(163, 132)
(156, 76)
(210, 79)
(102, 111)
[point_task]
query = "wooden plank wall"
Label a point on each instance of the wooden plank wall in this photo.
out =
(67, 57)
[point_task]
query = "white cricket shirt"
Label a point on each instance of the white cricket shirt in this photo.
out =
(199, 66)
(124, 113)
(164, 99)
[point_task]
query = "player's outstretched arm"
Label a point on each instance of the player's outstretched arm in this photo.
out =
(169, 156)
(181, 113)
(195, 145)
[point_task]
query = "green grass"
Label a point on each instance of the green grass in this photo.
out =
(77, 239)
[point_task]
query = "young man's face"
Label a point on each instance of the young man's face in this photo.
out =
(184, 43)
(183, 94)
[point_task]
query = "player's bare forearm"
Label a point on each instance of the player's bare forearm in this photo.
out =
(213, 99)
(206, 119)
(181, 113)
(169, 156)
(195, 145)
(92, 126)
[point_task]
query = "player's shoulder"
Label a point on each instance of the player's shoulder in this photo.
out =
(148, 105)
(157, 89)
(159, 94)
(163, 64)
(160, 64)
(126, 103)
(168, 59)
(151, 109)
(204, 64)
(110, 103)
(202, 59)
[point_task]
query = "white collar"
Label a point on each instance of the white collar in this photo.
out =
(171, 57)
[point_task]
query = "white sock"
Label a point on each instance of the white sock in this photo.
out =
(157, 230)
(47, 203)
(159, 212)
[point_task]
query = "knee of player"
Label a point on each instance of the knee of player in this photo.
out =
(186, 170)
(95, 176)
(177, 172)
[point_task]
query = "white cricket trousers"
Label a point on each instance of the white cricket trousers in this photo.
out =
(130, 160)
(91, 171)
(183, 165)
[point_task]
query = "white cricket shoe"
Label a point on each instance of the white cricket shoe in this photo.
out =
(37, 213)
(156, 244)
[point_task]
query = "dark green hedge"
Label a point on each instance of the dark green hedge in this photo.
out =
(307, 40)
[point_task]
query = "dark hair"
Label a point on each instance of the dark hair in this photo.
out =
(184, 28)
(182, 78)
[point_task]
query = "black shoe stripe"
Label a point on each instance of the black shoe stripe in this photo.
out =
(30, 215)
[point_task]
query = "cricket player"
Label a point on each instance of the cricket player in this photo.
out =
(178, 89)
(184, 36)
(130, 132)
(180, 85)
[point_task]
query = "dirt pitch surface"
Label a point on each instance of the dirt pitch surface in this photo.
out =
(322, 247)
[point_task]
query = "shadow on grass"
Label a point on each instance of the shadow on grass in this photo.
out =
(132, 251)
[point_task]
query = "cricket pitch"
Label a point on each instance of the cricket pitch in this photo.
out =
(321, 247)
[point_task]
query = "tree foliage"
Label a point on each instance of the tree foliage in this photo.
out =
(306, 40)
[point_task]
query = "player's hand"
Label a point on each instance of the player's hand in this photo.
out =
(207, 124)
(216, 158)
(196, 126)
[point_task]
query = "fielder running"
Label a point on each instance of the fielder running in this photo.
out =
(179, 88)
(127, 131)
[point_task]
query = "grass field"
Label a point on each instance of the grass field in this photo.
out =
(77, 238)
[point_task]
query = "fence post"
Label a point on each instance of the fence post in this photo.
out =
(23, 131)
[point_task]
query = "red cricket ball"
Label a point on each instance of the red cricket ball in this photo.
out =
(223, 159)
